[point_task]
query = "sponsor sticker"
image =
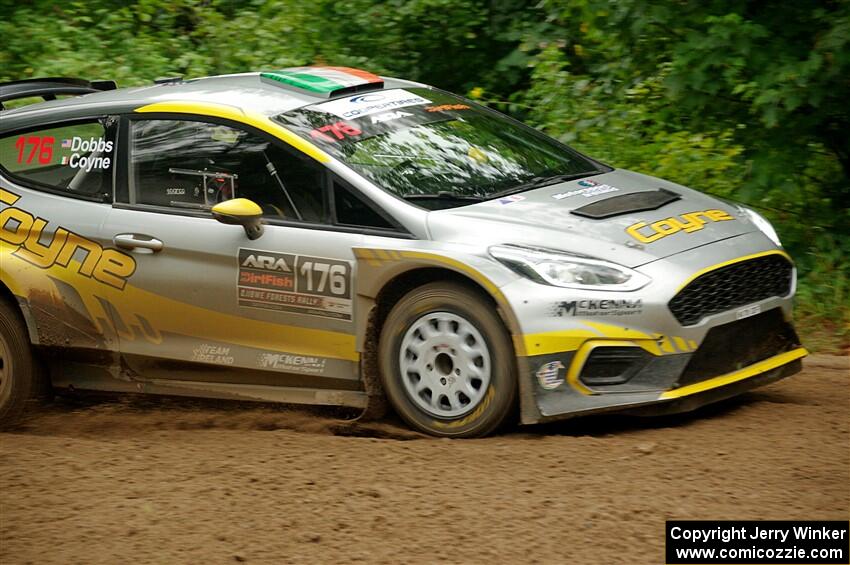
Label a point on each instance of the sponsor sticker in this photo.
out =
(216, 354)
(590, 188)
(599, 307)
(389, 116)
(446, 107)
(511, 199)
(292, 363)
(371, 103)
(284, 282)
(17, 227)
(690, 222)
(548, 375)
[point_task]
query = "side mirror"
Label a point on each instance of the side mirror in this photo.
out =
(240, 212)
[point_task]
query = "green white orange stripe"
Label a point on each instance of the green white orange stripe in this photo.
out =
(322, 79)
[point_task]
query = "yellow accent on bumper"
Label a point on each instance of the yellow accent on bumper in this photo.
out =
(555, 342)
(238, 115)
(740, 375)
(581, 357)
(545, 343)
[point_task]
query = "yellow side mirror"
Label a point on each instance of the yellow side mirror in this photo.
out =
(240, 212)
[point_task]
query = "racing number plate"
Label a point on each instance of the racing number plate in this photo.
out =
(316, 286)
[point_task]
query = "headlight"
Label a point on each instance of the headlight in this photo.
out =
(762, 224)
(560, 269)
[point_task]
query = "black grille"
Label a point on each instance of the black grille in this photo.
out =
(732, 286)
(739, 344)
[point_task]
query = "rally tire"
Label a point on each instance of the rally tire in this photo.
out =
(465, 342)
(17, 369)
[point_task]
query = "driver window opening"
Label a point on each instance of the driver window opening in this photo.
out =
(194, 165)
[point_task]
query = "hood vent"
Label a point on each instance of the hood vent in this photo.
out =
(626, 204)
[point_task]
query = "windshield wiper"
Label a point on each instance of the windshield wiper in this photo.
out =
(443, 195)
(537, 182)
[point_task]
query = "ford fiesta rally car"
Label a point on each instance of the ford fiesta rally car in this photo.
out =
(322, 235)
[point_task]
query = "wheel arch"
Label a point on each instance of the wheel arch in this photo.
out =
(403, 282)
(20, 305)
(376, 308)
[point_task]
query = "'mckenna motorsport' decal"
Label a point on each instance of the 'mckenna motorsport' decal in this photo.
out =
(292, 363)
(315, 286)
(599, 307)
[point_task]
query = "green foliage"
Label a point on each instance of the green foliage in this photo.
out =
(744, 103)
(747, 101)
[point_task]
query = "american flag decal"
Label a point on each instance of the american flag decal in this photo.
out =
(66, 143)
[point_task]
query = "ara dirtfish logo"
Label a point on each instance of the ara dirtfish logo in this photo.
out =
(548, 375)
(265, 261)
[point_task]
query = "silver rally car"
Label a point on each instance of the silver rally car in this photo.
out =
(322, 235)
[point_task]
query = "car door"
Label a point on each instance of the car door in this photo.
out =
(223, 309)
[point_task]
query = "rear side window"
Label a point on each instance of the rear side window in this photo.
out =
(76, 158)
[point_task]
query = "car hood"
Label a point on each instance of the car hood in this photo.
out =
(632, 238)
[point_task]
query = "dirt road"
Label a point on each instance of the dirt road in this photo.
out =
(177, 482)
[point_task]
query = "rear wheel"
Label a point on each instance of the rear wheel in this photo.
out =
(16, 365)
(447, 363)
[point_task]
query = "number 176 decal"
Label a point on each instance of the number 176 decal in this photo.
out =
(286, 282)
(334, 132)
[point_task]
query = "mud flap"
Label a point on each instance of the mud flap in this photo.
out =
(376, 400)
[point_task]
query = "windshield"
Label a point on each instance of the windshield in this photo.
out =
(433, 148)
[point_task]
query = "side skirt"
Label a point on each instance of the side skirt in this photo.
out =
(103, 381)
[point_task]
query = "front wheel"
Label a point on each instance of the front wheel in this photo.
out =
(447, 363)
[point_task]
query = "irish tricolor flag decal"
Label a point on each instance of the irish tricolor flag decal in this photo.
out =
(325, 80)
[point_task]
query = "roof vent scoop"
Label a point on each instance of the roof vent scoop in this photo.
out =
(327, 82)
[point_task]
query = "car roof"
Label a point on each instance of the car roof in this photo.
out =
(249, 92)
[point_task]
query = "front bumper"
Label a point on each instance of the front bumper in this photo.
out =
(690, 397)
(632, 353)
